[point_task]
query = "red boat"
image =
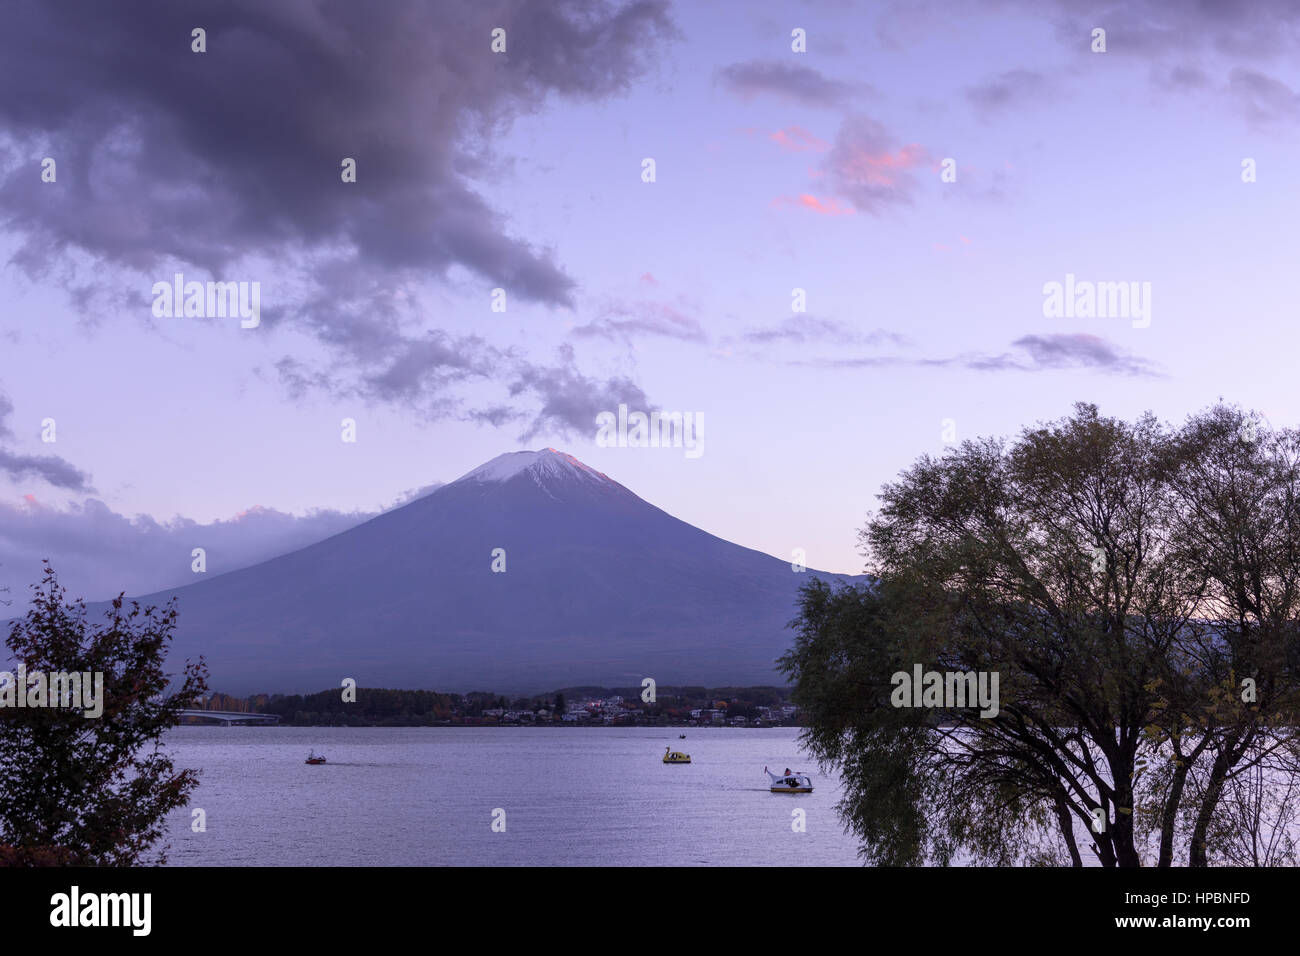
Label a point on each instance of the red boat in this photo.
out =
(313, 758)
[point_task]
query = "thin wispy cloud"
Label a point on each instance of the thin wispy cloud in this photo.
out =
(1011, 90)
(1032, 353)
(822, 206)
(1066, 351)
(1181, 78)
(802, 330)
(796, 139)
(626, 321)
(1262, 98)
(800, 84)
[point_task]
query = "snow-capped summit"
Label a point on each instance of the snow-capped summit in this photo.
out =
(542, 465)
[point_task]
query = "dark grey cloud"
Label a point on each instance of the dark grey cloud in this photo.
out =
(1250, 29)
(50, 469)
(1187, 47)
(1036, 353)
(99, 552)
(1066, 350)
(779, 78)
(570, 401)
(424, 367)
(228, 162)
(165, 152)
(1197, 47)
(556, 398)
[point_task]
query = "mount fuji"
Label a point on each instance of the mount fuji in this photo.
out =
(598, 587)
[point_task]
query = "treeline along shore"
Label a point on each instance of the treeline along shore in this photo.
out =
(570, 707)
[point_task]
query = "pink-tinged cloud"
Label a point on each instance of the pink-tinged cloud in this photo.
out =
(946, 247)
(868, 168)
(883, 168)
(796, 139)
(649, 279)
(823, 207)
(828, 208)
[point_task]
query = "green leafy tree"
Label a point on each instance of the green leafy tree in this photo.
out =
(93, 790)
(1122, 580)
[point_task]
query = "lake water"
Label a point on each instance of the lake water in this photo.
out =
(571, 796)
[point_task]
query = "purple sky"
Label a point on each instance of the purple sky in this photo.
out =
(775, 170)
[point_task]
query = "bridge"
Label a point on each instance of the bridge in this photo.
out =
(228, 718)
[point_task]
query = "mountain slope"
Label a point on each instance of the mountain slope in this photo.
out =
(600, 587)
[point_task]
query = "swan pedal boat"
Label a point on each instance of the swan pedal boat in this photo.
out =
(673, 756)
(793, 782)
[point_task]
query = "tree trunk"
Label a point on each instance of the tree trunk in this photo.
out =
(1126, 853)
(1169, 815)
(1066, 820)
(1198, 854)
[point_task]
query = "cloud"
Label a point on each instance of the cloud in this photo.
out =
(801, 84)
(1074, 350)
(51, 469)
(48, 468)
(624, 321)
(823, 207)
(408, 94)
(870, 169)
(421, 369)
(796, 139)
(1182, 44)
(1010, 90)
(1180, 78)
(1186, 43)
(99, 552)
(569, 400)
(1258, 30)
(228, 162)
(1037, 353)
(800, 330)
(1263, 98)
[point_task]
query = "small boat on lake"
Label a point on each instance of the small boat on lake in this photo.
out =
(314, 757)
(673, 756)
(792, 781)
